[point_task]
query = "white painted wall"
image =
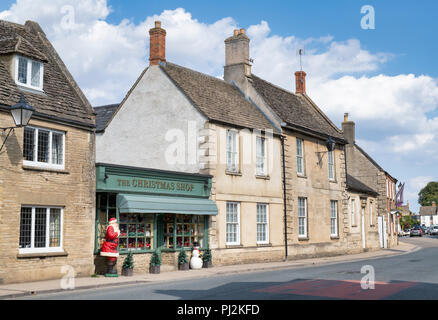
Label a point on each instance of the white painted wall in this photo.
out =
(137, 134)
(426, 220)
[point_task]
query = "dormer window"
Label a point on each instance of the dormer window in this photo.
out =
(29, 73)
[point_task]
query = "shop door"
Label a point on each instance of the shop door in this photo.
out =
(160, 231)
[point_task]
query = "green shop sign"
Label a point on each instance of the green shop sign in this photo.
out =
(112, 178)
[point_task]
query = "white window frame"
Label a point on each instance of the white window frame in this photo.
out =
(353, 212)
(261, 157)
(46, 249)
(371, 213)
(265, 224)
(305, 235)
(28, 83)
(49, 164)
(334, 218)
(331, 165)
(300, 157)
(237, 242)
(234, 150)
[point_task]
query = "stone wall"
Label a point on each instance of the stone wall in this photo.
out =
(72, 188)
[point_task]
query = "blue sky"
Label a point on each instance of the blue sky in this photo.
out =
(385, 78)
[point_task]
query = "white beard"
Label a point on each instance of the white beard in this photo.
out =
(116, 228)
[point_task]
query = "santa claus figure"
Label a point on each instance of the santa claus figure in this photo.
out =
(109, 247)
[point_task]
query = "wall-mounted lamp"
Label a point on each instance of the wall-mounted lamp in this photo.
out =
(21, 113)
(330, 144)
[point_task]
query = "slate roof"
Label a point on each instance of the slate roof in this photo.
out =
(354, 184)
(62, 100)
(428, 211)
(104, 115)
(216, 99)
(296, 110)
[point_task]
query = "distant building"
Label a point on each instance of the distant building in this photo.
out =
(429, 215)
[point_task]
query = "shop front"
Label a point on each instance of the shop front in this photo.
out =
(155, 209)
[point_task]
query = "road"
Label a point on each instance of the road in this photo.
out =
(408, 276)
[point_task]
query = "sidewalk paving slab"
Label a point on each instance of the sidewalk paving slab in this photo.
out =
(10, 291)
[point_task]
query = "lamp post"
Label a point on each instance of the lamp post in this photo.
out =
(21, 113)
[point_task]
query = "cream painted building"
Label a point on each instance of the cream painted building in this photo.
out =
(178, 122)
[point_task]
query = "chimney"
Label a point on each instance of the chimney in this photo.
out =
(237, 64)
(433, 204)
(348, 127)
(157, 47)
(300, 82)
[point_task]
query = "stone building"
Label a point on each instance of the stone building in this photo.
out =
(314, 160)
(362, 167)
(47, 173)
(362, 213)
(179, 125)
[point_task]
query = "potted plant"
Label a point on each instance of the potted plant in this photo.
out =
(128, 265)
(155, 262)
(206, 259)
(183, 263)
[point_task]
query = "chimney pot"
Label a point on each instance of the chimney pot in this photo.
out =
(236, 32)
(433, 204)
(242, 31)
(157, 24)
(345, 117)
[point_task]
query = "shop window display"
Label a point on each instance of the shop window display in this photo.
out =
(182, 231)
(136, 231)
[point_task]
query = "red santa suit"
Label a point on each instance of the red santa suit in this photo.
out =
(109, 247)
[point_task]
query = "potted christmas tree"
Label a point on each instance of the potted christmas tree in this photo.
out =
(183, 263)
(155, 262)
(206, 259)
(128, 265)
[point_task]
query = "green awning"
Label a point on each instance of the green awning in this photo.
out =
(136, 203)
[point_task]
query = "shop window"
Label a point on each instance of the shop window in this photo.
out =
(182, 231)
(136, 231)
(106, 209)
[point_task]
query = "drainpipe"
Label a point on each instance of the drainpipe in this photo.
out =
(284, 197)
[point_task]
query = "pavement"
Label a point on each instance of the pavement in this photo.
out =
(11, 291)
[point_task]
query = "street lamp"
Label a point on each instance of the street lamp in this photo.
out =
(330, 144)
(21, 113)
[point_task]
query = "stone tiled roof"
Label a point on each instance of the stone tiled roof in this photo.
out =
(428, 211)
(216, 99)
(354, 184)
(61, 98)
(296, 110)
(104, 115)
(17, 44)
(372, 161)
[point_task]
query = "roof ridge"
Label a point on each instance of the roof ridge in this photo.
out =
(318, 109)
(201, 73)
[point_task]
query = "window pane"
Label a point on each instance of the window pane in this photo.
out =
(55, 227)
(57, 148)
(22, 70)
(40, 227)
(36, 73)
(29, 144)
(43, 146)
(25, 227)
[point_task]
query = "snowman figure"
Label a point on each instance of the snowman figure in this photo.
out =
(196, 261)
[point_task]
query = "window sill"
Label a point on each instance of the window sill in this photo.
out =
(232, 173)
(263, 177)
(48, 169)
(264, 244)
(233, 246)
(42, 255)
(334, 237)
(303, 176)
(333, 181)
(303, 238)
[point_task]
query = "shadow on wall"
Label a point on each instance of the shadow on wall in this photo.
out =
(11, 147)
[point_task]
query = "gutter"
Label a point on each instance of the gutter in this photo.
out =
(284, 198)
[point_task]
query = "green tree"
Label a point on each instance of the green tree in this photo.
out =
(407, 222)
(428, 194)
